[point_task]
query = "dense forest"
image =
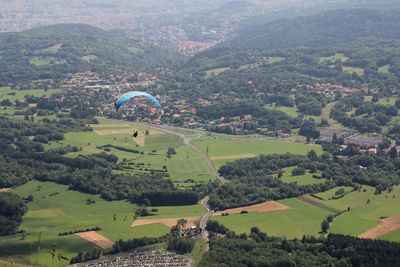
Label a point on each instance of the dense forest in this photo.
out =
(12, 208)
(259, 249)
(331, 28)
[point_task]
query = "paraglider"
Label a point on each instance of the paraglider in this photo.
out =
(120, 101)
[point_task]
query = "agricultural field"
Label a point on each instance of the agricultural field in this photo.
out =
(225, 150)
(300, 219)
(305, 179)
(186, 167)
(366, 209)
(55, 209)
(43, 61)
(387, 101)
(216, 71)
(13, 95)
(384, 69)
(53, 49)
(358, 71)
(332, 59)
(290, 111)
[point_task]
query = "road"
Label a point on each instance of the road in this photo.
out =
(187, 141)
(204, 220)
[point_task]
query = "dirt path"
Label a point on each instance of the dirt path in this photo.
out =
(96, 239)
(385, 226)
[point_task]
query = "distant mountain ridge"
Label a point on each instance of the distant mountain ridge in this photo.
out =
(328, 29)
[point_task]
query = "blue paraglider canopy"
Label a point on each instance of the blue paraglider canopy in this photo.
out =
(133, 94)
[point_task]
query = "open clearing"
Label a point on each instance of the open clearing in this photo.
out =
(96, 238)
(301, 219)
(12, 95)
(224, 147)
(267, 206)
(386, 226)
(305, 179)
(169, 222)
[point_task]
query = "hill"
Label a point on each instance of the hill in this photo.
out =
(327, 29)
(52, 51)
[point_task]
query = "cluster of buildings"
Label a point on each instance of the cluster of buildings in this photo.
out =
(368, 143)
(332, 89)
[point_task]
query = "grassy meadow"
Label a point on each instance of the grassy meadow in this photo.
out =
(225, 150)
(305, 179)
(301, 219)
(56, 209)
(362, 215)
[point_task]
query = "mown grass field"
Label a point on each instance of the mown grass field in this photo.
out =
(332, 59)
(226, 150)
(290, 111)
(305, 179)
(387, 101)
(358, 71)
(384, 69)
(51, 213)
(301, 219)
(186, 167)
(362, 215)
(12, 95)
(216, 71)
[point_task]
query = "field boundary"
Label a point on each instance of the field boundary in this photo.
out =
(317, 204)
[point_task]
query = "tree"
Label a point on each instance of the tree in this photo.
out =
(312, 155)
(393, 152)
(12, 208)
(181, 245)
(324, 226)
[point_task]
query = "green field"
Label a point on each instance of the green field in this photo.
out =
(362, 216)
(332, 59)
(89, 58)
(53, 49)
(12, 95)
(43, 61)
(327, 195)
(290, 111)
(358, 71)
(387, 101)
(301, 219)
(185, 168)
(384, 69)
(225, 150)
(66, 211)
(216, 71)
(305, 179)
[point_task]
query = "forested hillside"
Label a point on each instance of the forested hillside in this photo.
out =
(53, 51)
(338, 27)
